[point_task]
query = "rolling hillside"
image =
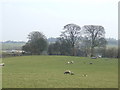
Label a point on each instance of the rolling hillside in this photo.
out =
(48, 72)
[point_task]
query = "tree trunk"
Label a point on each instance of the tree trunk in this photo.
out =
(73, 51)
(92, 51)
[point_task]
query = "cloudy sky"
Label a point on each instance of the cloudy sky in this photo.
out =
(20, 17)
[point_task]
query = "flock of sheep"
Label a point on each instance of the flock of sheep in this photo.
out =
(67, 71)
(70, 72)
(72, 62)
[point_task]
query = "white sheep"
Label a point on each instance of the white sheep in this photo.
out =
(68, 62)
(90, 63)
(84, 75)
(67, 72)
(72, 62)
(2, 64)
(72, 73)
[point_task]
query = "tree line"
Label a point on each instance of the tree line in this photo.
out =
(74, 40)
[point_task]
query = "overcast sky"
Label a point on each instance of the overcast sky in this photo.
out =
(20, 17)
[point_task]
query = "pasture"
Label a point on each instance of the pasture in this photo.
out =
(48, 72)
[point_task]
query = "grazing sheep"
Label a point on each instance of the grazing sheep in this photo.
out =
(68, 62)
(84, 75)
(2, 64)
(68, 72)
(91, 63)
(72, 62)
(72, 73)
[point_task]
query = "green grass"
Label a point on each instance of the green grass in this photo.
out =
(47, 72)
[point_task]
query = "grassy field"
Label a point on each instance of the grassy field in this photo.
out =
(47, 72)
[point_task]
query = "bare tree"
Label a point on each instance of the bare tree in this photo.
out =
(71, 35)
(96, 36)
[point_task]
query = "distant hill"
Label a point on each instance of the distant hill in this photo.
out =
(17, 45)
(10, 45)
(112, 41)
(52, 40)
(9, 41)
